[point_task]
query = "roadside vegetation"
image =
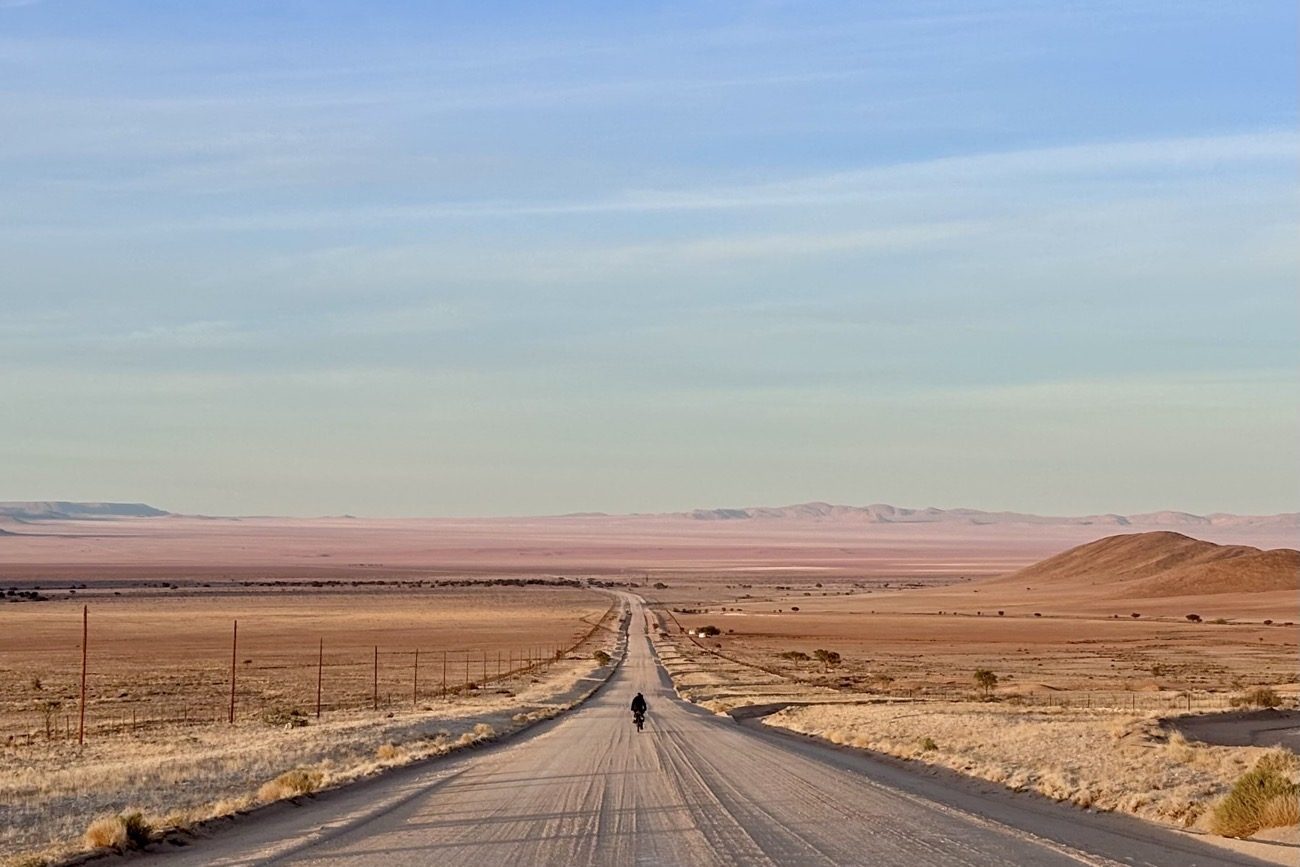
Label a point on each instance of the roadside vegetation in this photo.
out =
(120, 793)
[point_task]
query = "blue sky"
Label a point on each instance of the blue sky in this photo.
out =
(507, 258)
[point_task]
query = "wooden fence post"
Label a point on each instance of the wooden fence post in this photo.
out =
(320, 673)
(375, 682)
(234, 649)
(85, 637)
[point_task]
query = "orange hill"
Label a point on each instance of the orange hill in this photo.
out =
(1146, 565)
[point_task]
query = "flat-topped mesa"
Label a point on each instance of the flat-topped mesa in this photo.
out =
(63, 510)
(1163, 563)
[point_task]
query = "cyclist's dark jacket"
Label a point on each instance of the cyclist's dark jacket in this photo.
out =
(638, 704)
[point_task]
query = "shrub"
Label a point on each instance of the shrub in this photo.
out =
(828, 658)
(1194, 618)
(601, 657)
(290, 784)
(1263, 696)
(927, 744)
(387, 752)
(709, 630)
(1135, 615)
(1261, 796)
(985, 680)
(127, 831)
(795, 656)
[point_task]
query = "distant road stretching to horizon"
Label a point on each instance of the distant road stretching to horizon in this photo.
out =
(693, 789)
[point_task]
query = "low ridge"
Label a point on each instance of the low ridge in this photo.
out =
(1165, 563)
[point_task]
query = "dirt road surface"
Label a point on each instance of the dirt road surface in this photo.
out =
(692, 789)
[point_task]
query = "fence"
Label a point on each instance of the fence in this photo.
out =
(374, 678)
(1183, 701)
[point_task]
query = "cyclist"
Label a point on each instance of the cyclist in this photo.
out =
(638, 710)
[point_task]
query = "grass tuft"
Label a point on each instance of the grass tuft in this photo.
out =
(127, 831)
(1263, 797)
(290, 784)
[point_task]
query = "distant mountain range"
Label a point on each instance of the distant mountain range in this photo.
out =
(877, 513)
(57, 510)
(882, 513)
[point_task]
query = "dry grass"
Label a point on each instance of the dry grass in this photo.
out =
(1116, 761)
(291, 784)
(125, 831)
(1264, 797)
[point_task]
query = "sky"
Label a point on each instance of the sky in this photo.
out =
(529, 258)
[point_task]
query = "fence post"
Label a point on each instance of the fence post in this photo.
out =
(444, 674)
(85, 636)
(320, 673)
(234, 649)
(467, 670)
(415, 682)
(375, 682)
(485, 666)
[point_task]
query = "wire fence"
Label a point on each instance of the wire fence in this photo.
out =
(307, 682)
(1134, 701)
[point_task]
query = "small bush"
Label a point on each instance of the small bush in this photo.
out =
(290, 784)
(927, 744)
(601, 657)
(828, 658)
(985, 680)
(387, 752)
(127, 831)
(1262, 796)
(795, 656)
(1263, 696)
(706, 631)
(1194, 618)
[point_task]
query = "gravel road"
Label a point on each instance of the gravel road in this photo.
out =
(692, 789)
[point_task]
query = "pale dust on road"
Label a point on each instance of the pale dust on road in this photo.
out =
(692, 789)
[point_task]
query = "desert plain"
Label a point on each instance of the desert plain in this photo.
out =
(506, 615)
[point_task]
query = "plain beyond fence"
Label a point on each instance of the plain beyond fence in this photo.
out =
(454, 671)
